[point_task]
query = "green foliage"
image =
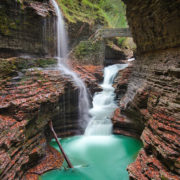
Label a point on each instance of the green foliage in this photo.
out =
(89, 52)
(128, 43)
(6, 68)
(120, 41)
(11, 66)
(110, 13)
(86, 48)
(164, 178)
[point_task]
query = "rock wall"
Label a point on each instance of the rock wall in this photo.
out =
(29, 99)
(154, 24)
(152, 98)
(27, 102)
(127, 124)
(156, 105)
(26, 28)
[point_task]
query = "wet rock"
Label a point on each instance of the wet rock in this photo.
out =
(153, 89)
(27, 28)
(126, 123)
(149, 167)
(114, 54)
(152, 101)
(26, 107)
(52, 160)
(154, 24)
(28, 103)
(92, 75)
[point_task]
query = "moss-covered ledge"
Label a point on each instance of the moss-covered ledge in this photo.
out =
(10, 67)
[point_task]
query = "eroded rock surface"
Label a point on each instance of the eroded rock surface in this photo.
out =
(92, 75)
(154, 24)
(26, 28)
(27, 103)
(152, 98)
(159, 111)
(29, 99)
(52, 160)
(122, 124)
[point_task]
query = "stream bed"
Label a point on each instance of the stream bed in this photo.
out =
(96, 157)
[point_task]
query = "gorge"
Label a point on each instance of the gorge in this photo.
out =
(34, 91)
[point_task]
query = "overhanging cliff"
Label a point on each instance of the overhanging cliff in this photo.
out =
(26, 28)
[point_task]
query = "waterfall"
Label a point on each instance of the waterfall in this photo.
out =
(104, 104)
(62, 51)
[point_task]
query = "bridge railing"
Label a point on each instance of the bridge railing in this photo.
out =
(111, 32)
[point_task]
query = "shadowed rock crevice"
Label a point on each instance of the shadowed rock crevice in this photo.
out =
(26, 28)
(154, 24)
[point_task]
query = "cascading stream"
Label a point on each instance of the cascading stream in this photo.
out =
(62, 51)
(89, 154)
(104, 104)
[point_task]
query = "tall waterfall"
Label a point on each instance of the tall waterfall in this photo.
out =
(62, 51)
(104, 104)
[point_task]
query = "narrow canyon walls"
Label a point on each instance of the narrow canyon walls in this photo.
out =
(153, 89)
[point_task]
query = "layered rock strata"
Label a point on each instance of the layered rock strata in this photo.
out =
(154, 24)
(92, 75)
(29, 99)
(123, 124)
(156, 105)
(52, 160)
(27, 103)
(114, 54)
(26, 28)
(152, 98)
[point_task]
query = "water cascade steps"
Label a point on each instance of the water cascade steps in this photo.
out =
(104, 104)
(98, 156)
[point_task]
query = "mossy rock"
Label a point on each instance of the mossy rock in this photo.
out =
(7, 24)
(89, 52)
(126, 43)
(10, 67)
(29, 63)
(7, 67)
(164, 178)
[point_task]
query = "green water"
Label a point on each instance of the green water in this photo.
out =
(96, 158)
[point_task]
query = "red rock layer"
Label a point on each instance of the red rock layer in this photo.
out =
(52, 160)
(27, 103)
(154, 86)
(122, 124)
(91, 75)
(156, 79)
(149, 167)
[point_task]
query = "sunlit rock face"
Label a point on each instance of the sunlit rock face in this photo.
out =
(26, 28)
(153, 89)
